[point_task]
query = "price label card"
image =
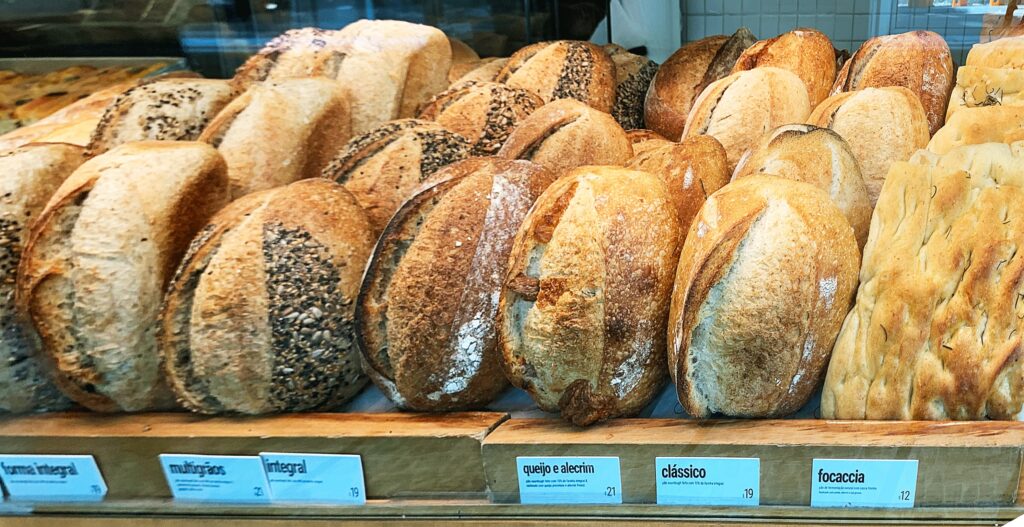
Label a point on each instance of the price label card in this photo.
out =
(322, 478)
(585, 480)
(708, 481)
(216, 478)
(55, 478)
(863, 483)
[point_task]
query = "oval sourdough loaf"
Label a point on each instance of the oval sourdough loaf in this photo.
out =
(382, 168)
(259, 316)
(567, 134)
(983, 124)
(633, 75)
(817, 156)
(881, 125)
(278, 132)
(738, 109)
(97, 261)
(563, 69)
(582, 313)
(936, 328)
(808, 53)
(164, 110)
(29, 175)
(765, 278)
(483, 112)
(426, 311)
(919, 61)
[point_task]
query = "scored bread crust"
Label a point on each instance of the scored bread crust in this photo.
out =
(806, 52)
(425, 315)
(583, 309)
(674, 86)
(643, 140)
(566, 134)
(765, 278)
(633, 75)
(984, 124)
(258, 318)
(98, 258)
(296, 53)
(563, 69)
(485, 113)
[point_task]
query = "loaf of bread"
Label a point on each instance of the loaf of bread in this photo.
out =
(766, 275)
(278, 132)
(692, 170)
(808, 53)
(296, 53)
(583, 309)
(1006, 53)
(98, 259)
(978, 86)
(427, 307)
(382, 168)
(643, 140)
(738, 109)
(563, 69)
(167, 110)
(983, 124)
(633, 75)
(685, 74)
(881, 126)
(73, 124)
(483, 112)
(259, 316)
(935, 332)
(485, 71)
(919, 61)
(567, 134)
(817, 156)
(29, 175)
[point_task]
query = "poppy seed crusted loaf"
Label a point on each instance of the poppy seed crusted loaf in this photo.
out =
(483, 112)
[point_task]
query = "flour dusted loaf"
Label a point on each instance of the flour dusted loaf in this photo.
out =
(566, 134)
(983, 124)
(427, 308)
(936, 327)
(485, 113)
(259, 316)
(817, 156)
(583, 309)
(881, 125)
(808, 53)
(278, 132)
(765, 278)
(29, 175)
(94, 269)
(633, 75)
(164, 110)
(738, 109)
(563, 69)
(382, 168)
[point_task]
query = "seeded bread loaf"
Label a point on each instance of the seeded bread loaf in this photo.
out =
(483, 112)
(382, 168)
(919, 61)
(643, 140)
(766, 275)
(633, 75)
(167, 110)
(29, 175)
(984, 124)
(566, 134)
(978, 87)
(1007, 53)
(563, 69)
(881, 126)
(808, 53)
(738, 109)
(278, 132)
(426, 310)
(583, 309)
(98, 258)
(259, 316)
(817, 156)
(296, 53)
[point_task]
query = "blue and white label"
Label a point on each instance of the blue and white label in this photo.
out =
(580, 480)
(708, 481)
(56, 478)
(216, 478)
(864, 483)
(321, 478)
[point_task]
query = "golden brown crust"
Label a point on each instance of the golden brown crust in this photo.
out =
(674, 87)
(563, 69)
(633, 75)
(986, 124)
(643, 140)
(484, 71)
(485, 113)
(806, 52)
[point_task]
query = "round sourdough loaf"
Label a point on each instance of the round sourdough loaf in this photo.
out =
(806, 52)
(633, 75)
(643, 140)
(583, 309)
(765, 278)
(817, 156)
(426, 310)
(98, 259)
(384, 166)
(563, 69)
(567, 134)
(483, 112)
(881, 126)
(738, 109)
(29, 175)
(258, 318)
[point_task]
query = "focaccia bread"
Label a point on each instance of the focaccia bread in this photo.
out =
(982, 124)
(1005, 52)
(808, 53)
(563, 69)
(483, 112)
(980, 86)
(936, 327)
